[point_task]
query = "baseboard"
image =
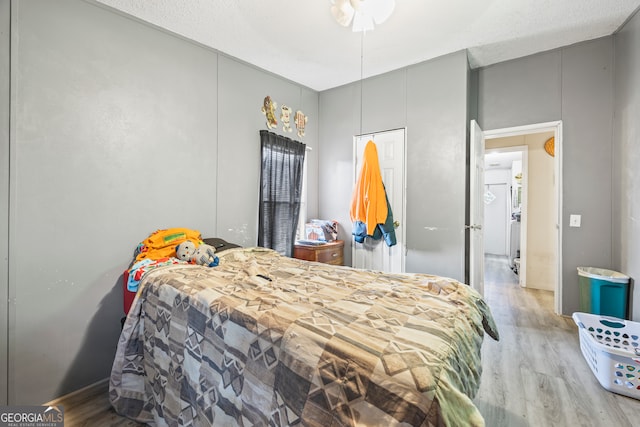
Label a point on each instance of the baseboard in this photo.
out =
(94, 389)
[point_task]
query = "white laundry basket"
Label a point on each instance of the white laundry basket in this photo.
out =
(611, 347)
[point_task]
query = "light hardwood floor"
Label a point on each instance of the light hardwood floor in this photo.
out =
(535, 376)
(90, 407)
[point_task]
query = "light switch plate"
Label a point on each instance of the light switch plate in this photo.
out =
(575, 220)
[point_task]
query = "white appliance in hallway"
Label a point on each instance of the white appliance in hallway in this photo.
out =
(497, 213)
(514, 246)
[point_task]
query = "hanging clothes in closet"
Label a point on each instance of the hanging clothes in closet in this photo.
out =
(370, 211)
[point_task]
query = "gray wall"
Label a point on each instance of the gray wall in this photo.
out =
(117, 130)
(575, 85)
(240, 96)
(108, 116)
(430, 100)
(627, 156)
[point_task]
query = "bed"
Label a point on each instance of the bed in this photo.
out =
(266, 340)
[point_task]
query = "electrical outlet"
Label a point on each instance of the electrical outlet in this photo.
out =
(575, 220)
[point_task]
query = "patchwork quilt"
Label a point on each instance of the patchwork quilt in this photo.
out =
(266, 340)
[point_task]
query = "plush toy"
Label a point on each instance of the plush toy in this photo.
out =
(202, 255)
(186, 250)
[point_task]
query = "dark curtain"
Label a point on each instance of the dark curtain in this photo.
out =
(280, 188)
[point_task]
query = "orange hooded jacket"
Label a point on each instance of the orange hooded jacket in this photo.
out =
(368, 203)
(162, 243)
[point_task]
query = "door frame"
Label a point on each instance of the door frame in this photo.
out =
(556, 128)
(401, 233)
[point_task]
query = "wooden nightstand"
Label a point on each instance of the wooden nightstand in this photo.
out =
(328, 253)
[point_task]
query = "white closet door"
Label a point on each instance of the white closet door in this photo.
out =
(375, 254)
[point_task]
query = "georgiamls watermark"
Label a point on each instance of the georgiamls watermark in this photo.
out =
(31, 416)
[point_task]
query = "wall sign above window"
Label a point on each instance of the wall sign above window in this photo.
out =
(269, 110)
(285, 117)
(301, 122)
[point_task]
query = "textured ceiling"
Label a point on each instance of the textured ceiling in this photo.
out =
(299, 40)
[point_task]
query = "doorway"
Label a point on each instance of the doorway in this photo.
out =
(555, 236)
(507, 165)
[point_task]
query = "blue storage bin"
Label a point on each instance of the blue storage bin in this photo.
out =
(603, 292)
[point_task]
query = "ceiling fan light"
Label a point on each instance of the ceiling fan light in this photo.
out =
(356, 4)
(363, 13)
(342, 12)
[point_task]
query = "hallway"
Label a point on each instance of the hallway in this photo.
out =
(536, 375)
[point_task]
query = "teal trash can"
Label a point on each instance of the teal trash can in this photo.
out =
(603, 292)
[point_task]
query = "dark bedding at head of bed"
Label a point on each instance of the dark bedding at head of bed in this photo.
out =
(219, 244)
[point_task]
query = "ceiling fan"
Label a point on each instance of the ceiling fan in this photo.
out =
(363, 13)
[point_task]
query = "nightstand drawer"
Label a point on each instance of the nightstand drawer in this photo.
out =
(328, 253)
(330, 256)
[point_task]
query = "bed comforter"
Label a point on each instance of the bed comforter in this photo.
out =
(265, 340)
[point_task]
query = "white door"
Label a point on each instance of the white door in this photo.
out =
(375, 254)
(476, 209)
